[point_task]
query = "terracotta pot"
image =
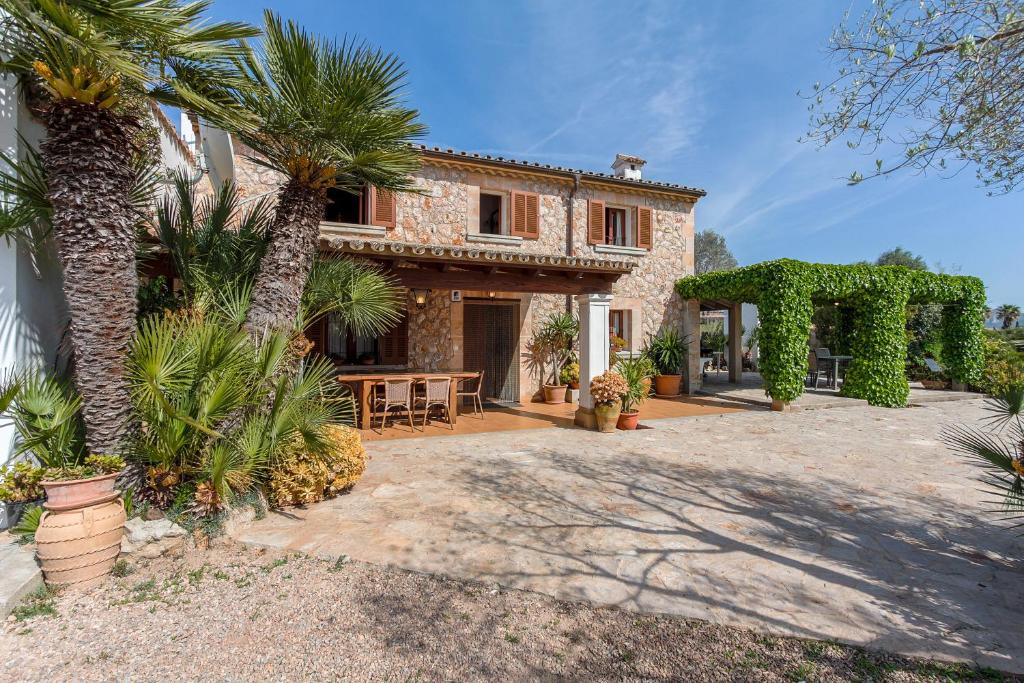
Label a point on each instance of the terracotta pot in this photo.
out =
(607, 415)
(554, 393)
(628, 420)
(667, 385)
(933, 383)
(574, 385)
(72, 494)
(79, 547)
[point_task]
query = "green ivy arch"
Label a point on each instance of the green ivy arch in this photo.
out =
(873, 301)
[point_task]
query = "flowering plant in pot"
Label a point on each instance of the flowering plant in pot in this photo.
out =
(555, 344)
(70, 487)
(666, 351)
(571, 375)
(637, 373)
(607, 390)
(19, 489)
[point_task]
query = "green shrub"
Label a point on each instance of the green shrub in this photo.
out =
(1004, 366)
(20, 482)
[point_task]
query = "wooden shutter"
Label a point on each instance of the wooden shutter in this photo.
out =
(382, 208)
(595, 222)
(644, 227)
(525, 215)
(394, 345)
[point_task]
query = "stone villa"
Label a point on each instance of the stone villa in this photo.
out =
(491, 247)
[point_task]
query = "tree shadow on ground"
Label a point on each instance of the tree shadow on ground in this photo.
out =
(826, 559)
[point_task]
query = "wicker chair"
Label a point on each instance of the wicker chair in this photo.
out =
(397, 394)
(471, 388)
(436, 392)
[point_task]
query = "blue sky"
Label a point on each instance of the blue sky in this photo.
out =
(706, 92)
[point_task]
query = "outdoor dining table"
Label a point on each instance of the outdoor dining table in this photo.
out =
(365, 381)
(835, 360)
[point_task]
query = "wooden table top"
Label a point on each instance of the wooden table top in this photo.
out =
(384, 374)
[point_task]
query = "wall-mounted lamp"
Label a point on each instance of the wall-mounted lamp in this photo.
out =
(491, 295)
(420, 297)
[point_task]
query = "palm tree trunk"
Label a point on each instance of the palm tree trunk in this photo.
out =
(87, 157)
(294, 236)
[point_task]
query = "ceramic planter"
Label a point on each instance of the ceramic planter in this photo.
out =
(628, 420)
(607, 416)
(73, 494)
(933, 383)
(667, 385)
(554, 393)
(79, 547)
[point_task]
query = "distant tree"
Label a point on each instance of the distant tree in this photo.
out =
(929, 85)
(1009, 314)
(901, 257)
(711, 253)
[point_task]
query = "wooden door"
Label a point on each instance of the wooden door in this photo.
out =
(491, 344)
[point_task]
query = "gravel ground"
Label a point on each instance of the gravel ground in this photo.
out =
(228, 613)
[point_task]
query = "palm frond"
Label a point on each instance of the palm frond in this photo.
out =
(336, 108)
(363, 297)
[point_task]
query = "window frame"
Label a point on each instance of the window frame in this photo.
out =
(503, 223)
(629, 224)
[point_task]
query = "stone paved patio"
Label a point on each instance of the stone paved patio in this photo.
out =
(850, 523)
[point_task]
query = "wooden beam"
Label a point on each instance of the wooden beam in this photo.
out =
(504, 282)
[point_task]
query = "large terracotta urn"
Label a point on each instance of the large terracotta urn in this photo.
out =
(79, 535)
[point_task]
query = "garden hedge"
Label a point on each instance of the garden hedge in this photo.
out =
(873, 301)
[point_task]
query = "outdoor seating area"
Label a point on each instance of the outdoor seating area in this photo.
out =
(410, 397)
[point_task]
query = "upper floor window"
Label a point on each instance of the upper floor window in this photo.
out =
(345, 207)
(492, 214)
(619, 226)
(369, 207)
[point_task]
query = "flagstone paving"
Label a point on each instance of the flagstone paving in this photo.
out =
(853, 524)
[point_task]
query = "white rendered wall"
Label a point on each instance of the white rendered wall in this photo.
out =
(31, 302)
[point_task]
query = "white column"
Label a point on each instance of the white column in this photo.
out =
(594, 349)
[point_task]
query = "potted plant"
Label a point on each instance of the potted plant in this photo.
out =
(571, 377)
(637, 374)
(71, 487)
(607, 390)
(79, 536)
(19, 488)
(666, 351)
(555, 343)
(616, 344)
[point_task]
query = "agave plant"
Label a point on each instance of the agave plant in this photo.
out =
(324, 116)
(87, 69)
(998, 449)
(667, 350)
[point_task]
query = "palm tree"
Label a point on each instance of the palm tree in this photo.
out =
(86, 69)
(1009, 314)
(325, 116)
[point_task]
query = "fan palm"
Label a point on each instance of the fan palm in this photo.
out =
(216, 248)
(1009, 314)
(325, 116)
(999, 450)
(87, 68)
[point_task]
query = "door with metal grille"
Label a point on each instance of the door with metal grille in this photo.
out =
(490, 341)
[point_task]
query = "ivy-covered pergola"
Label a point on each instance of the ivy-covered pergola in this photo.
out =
(872, 307)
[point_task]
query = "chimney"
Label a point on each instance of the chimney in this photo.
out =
(627, 166)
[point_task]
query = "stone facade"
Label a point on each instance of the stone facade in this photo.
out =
(446, 211)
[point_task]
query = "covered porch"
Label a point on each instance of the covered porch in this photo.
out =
(476, 309)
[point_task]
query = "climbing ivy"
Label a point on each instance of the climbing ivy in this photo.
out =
(873, 301)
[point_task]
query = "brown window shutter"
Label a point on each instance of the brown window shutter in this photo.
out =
(394, 345)
(532, 216)
(382, 208)
(595, 222)
(644, 228)
(524, 220)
